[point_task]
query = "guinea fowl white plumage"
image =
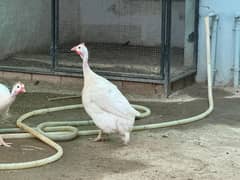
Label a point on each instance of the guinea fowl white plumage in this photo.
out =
(105, 104)
(7, 98)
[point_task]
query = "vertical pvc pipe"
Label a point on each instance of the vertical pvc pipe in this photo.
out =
(236, 53)
(214, 33)
(208, 56)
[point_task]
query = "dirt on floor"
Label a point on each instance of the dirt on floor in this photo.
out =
(207, 149)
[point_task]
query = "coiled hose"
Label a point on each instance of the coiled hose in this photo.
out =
(49, 131)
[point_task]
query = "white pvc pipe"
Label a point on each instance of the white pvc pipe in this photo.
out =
(236, 52)
(214, 37)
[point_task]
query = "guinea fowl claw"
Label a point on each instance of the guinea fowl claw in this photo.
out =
(3, 143)
(99, 139)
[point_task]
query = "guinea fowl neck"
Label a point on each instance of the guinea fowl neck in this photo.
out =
(86, 67)
(13, 96)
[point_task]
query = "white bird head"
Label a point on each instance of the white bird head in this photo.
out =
(81, 50)
(18, 88)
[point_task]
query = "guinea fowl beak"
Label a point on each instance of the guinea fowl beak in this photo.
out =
(74, 48)
(23, 90)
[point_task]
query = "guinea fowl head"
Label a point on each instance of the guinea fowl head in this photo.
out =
(18, 88)
(81, 50)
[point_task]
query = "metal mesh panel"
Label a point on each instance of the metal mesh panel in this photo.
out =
(24, 32)
(121, 35)
(182, 38)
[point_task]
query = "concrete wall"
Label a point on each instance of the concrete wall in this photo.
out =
(225, 49)
(69, 23)
(24, 25)
(137, 21)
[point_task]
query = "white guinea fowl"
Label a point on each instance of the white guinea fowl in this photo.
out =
(105, 104)
(7, 98)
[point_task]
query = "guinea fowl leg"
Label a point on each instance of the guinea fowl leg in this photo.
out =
(99, 137)
(3, 143)
(126, 137)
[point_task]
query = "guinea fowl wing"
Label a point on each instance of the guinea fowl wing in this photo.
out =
(4, 91)
(110, 99)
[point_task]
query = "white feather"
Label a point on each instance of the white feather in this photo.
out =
(4, 91)
(109, 109)
(104, 103)
(6, 100)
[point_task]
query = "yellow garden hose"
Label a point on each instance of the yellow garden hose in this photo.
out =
(49, 131)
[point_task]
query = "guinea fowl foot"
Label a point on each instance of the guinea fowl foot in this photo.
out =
(125, 138)
(99, 138)
(3, 143)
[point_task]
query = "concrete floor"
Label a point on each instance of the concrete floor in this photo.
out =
(207, 149)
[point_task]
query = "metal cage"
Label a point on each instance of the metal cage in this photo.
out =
(162, 54)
